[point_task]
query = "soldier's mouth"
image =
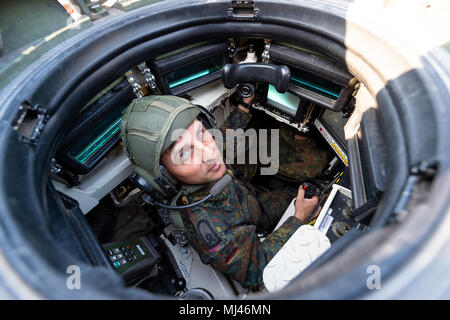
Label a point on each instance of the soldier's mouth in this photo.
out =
(215, 167)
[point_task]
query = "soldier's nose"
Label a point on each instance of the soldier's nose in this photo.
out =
(209, 151)
(210, 161)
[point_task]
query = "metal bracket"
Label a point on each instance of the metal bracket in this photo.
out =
(265, 56)
(92, 8)
(29, 123)
(231, 48)
(134, 84)
(424, 169)
(243, 10)
(175, 236)
(55, 168)
(149, 77)
(70, 179)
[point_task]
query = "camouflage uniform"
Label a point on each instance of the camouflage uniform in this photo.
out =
(223, 230)
(301, 158)
(239, 119)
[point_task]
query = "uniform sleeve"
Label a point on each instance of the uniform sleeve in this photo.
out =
(237, 251)
(239, 119)
(236, 119)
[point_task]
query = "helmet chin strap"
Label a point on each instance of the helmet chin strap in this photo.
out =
(214, 191)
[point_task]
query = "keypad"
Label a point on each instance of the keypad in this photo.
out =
(121, 256)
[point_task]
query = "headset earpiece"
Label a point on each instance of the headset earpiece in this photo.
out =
(168, 186)
(167, 183)
(143, 184)
(207, 118)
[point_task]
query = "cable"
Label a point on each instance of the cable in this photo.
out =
(159, 204)
(322, 195)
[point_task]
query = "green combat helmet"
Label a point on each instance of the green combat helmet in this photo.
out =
(146, 131)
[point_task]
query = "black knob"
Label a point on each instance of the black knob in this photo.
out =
(179, 284)
(246, 90)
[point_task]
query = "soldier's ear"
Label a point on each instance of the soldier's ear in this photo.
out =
(166, 157)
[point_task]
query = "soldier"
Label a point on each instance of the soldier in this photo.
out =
(224, 229)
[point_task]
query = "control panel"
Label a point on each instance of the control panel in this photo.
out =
(336, 146)
(335, 218)
(131, 259)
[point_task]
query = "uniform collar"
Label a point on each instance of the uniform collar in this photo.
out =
(198, 192)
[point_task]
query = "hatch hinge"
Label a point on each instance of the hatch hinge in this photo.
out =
(29, 123)
(415, 190)
(243, 10)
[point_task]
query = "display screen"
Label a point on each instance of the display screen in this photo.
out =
(315, 84)
(286, 102)
(335, 122)
(88, 145)
(194, 71)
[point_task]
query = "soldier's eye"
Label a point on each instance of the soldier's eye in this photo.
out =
(200, 134)
(186, 153)
(183, 154)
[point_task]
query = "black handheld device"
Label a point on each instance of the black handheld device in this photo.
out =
(132, 259)
(310, 190)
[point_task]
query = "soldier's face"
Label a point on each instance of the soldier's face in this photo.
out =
(195, 157)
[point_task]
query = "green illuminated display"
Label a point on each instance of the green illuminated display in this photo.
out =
(98, 142)
(313, 86)
(287, 101)
(95, 138)
(313, 83)
(188, 79)
(194, 71)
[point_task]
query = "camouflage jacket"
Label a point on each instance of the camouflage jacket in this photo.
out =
(223, 230)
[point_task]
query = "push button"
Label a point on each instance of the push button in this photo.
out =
(116, 264)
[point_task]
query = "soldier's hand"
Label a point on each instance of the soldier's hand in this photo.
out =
(304, 207)
(249, 101)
